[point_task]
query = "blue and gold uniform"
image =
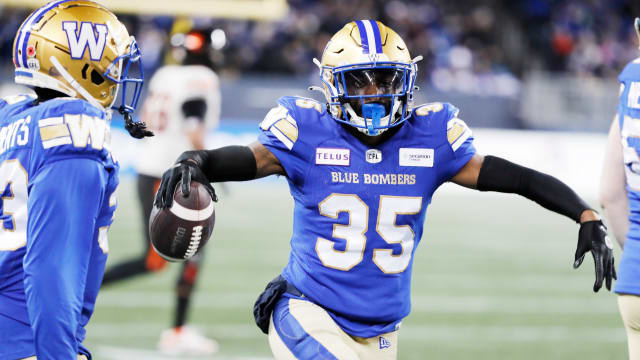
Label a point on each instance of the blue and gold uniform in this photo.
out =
(359, 211)
(628, 115)
(57, 174)
(58, 181)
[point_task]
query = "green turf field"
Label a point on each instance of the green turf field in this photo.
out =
(492, 280)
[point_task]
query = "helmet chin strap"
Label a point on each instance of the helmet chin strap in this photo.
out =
(74, 84)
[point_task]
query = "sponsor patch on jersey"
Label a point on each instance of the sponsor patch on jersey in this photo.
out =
(373, 156)
(416, 157)
(333, 156)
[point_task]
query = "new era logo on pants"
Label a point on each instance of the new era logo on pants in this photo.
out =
(384, 343)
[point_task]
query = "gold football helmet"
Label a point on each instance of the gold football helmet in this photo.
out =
(368, 76)
(81, 49)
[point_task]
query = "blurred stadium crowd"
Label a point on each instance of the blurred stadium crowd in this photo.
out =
(474, 47)
(469, 46)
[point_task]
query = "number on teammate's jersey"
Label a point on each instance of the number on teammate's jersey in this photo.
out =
(13, 205)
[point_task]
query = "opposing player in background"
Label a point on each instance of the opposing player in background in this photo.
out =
(182, 104)
(58, 176)
(620, 197)
(362, 170)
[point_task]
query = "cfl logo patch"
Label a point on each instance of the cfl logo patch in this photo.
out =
(93, 36)
(384, 343)
(373, 156)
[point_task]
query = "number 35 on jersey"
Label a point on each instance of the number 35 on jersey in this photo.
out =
(354, 232)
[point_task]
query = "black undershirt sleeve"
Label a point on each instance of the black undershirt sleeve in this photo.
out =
(500, 175)
(229, 163)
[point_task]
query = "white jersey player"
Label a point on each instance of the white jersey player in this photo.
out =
(182, 101)
(182, 104)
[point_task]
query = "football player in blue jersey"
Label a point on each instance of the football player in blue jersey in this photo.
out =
(362, 170)
(58, 176)
(620, 197)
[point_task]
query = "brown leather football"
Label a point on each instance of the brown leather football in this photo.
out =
(179, 232)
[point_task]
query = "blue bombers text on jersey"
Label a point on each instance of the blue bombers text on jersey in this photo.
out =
(359, 211)
(629, 120)
(57, 185)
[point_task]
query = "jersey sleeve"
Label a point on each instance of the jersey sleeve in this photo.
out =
(279, 133)
(61, 232)
(460, 140)
(68, 126)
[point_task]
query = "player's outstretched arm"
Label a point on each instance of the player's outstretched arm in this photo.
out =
(490, 173)
(229, 163)
(613, 193)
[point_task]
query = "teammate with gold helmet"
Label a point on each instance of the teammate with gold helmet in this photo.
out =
(89, 60)
(58, 176)
(362, 170)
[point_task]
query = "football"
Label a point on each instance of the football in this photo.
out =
(179, 232)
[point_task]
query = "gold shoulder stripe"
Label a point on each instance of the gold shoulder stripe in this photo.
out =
(275, 114)
(53, 131)
(288, 129)
(426, 109)
(455, 132)
(308, 104)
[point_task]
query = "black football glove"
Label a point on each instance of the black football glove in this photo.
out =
(187, 169)
(593, 237)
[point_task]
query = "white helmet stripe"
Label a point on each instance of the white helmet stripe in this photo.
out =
(371, 39)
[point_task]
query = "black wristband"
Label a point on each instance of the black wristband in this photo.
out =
(229, 163)
(500, 175)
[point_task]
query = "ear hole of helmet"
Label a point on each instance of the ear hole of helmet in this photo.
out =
(96, 78)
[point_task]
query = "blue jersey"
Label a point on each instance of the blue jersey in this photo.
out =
(629, 121)
(359, 211)
(57, 188)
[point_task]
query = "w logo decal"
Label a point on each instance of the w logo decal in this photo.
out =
(90, 35)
